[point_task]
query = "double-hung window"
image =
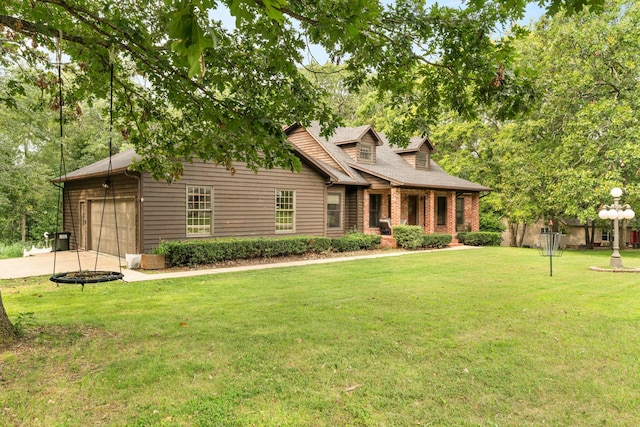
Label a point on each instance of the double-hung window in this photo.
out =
(365, 153)
(199, 211)
(334, 210)
(422, 160)
(285, 211)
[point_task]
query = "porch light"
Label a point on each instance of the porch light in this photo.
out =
(616, 212)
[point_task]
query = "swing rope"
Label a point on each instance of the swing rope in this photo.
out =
(62, 167)
(109, 184)
(82, 277)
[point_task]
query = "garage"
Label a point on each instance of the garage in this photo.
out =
(102, 212)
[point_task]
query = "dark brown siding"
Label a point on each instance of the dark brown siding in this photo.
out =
(409, 158)
(243, 203)
(376, 183)
(354, 197)
(307, 143)
(92, 191)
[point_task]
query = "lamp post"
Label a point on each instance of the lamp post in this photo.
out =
(616, 212)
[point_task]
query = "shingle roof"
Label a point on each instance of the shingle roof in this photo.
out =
(389, 165)
(119, 162)
(414, 144)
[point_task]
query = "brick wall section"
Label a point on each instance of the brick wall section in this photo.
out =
(472, 211)
(396, 206)
(427, 209)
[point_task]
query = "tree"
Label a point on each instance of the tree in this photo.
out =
(585, 124)
(224, 94)
(579, 135)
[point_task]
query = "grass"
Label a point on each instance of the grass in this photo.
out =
(452, 338)
(14, 250)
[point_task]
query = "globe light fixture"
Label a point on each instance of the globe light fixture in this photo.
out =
(616, 212)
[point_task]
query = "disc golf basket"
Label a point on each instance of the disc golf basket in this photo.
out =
(549, 245)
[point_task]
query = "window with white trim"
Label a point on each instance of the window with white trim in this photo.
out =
(199, 211)
(334, 210)
(285, 211)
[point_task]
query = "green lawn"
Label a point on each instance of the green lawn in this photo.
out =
(477, 337)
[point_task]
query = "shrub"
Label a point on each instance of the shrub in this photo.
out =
(436, 240)
(195, 252)
(480, 238)
(355, 242)
(408, 236)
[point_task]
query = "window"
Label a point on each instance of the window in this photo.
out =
(441, 213)
(365, 153)
(375, 202)
(460, 211)
(422, 160)
(285, 210)
(199, 211)
(334, 210)
(606, 236)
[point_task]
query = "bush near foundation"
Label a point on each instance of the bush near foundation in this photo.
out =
(436, 240)
(408, 236)
(480, 238)
(197, 252)
(355, 242)
(412, 237)
(211, 251)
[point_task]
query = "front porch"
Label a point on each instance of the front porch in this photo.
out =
(435, 211)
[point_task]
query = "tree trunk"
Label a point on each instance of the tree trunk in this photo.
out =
(524, 230)
(513, 229)
(7, 331)
(588, 242)
(23, 226)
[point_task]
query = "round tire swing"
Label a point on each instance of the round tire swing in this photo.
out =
(82, 277)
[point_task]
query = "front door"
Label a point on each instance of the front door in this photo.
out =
(412, 214)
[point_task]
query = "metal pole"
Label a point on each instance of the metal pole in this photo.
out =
(616, 259)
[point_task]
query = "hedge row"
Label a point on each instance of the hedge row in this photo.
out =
(197, 252)
(480, 238)
(412, 237)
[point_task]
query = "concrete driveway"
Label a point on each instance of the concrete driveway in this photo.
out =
(43, 264)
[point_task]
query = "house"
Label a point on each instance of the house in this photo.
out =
(353, 180)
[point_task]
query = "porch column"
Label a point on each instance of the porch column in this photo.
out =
(396, 206)
(475, 212)
(451, 213)
(430, 212)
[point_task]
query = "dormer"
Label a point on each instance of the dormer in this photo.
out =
(358, 143)
(417, 153)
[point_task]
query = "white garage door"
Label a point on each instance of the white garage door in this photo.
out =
(125, 218)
